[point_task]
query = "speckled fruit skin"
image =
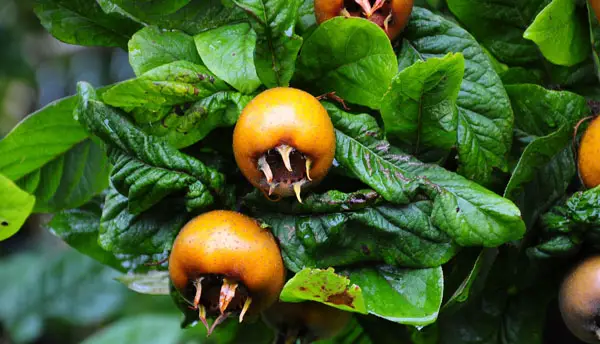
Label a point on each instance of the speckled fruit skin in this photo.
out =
(327, 9)
(579, 299)
(283, 115)
(320, 320)
(589, 155)
(231, 244)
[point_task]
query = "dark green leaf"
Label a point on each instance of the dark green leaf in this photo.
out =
(146, 168)
(584, 207)
(398, 235)
(484, 115)
(360, 75)
(151, 7)
(324, 286)
(419, 110)
(63, 286)
(277, 45)
(469, 213)
(520, 75)
(83, 22)
(594, 34)
(560, 33)
(499, 25)
(406, 296)
(15, 207)
(152, 47)
(174, 83)
(228, 52)
(306, 16)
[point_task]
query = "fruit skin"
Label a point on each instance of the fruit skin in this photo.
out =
(228, 243)
(283, 115)
(579, 299)
(589, 153)
(318, 320)
(401, 9)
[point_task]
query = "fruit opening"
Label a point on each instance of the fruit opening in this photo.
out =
(220, 296)
(377, 11)
(286, 170)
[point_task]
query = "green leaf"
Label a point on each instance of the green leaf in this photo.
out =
(151, 7)
(146, 168)
(397, 235)
(485, 118)
(221, 109)
(499, 26)
(141, 329)
(149, 233)
(324, 286)
(277, 45)
(67, 172)
(15, 207)
(332, 60)
(469, 213)
(584, 207)
(419, 110)
(595, 37)
(83, 22)
(151, 283)
(152, 47)
(520, 75)
(560, 33)
(228, 52)
(193, 18)
(63, 286)
(406, 296)
(174, 83)
(306, 16)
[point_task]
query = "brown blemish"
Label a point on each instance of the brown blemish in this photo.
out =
(342, 298)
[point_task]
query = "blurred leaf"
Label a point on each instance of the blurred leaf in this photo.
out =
(277, 45)
(560, 33)
(324, 286)
(142, 329)
(152, 47)
(484, 115)
(406, 296)
(170, 84)
(151, 7)
(83, 22)
(520, 75)
(306, 16)
(419, 110)
(228, 52)
(499, 26)
(15, 207)
(469, 213)
(65, 286)
(152, 283)
(360, 75)
(12, 63)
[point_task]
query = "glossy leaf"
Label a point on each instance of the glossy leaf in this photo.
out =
(15, 207)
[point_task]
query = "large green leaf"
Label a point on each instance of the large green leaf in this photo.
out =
(333, 60)
(228, 52)
(560, 33)
(151, 7)
(152, 47)
(398, 235)
(146, 168)
(83, 22)
(70, 168)
(469, 213)
(62, 286)
(406, 296)
(485, 118)
(419, 110)
(15, 207)
(142, 329)
(277, 45)
(499, 26)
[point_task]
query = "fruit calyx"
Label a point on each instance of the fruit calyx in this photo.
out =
(218, 295)
(379, 13)
(285, 170)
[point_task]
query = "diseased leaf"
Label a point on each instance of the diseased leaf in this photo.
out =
(324, 286)
(419, 110)
(469, 213)
(15, 207)
(406, 296)
(560, 33)
(485, 118)
(152, 47)
(333, 60)
(83, 22)
(228, 52)
(277, 45)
